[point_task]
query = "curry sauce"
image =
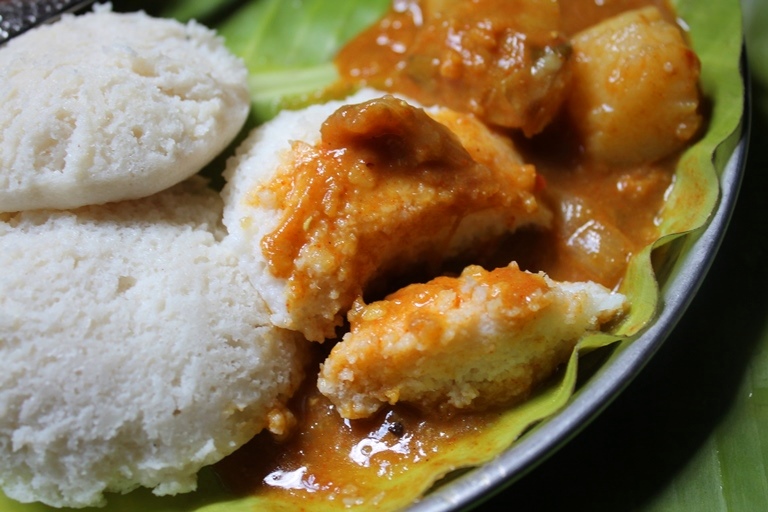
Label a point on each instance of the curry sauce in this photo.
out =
(597, 214)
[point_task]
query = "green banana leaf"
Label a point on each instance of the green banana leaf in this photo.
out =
(287, 47)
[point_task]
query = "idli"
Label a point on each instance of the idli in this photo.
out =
(134, 350)
(109, 106)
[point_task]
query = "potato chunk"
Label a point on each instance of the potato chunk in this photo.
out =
(634, 96)
(480, 340)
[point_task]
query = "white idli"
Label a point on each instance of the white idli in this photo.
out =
(134, 351)
(108, 106)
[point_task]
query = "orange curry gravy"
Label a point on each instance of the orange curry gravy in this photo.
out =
(601, 216)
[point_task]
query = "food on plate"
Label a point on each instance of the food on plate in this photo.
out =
(134, 352)
(336, 200)
(633, 97)
(146, 338)
(481, 340)
(604, 213)
(107, 106)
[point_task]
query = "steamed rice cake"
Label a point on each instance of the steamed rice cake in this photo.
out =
(481, 340)
(134, 350)
(109, 106)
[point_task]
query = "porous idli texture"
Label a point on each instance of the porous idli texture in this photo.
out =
(133, 350)
(479, 341)
(248, 220)
(109, 106)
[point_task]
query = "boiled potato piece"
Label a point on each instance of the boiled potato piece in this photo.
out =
(634, 96)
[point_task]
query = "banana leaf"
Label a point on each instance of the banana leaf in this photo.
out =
(287, 47)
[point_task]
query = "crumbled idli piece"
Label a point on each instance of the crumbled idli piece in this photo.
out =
(480, 340)
(335, 200)
(108, 106)
(134, 350)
